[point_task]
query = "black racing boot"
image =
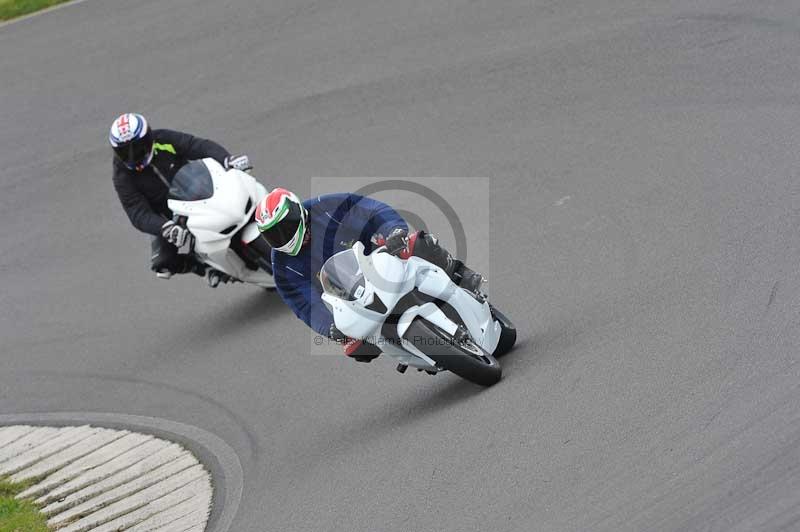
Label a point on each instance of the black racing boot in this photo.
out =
(427, 247)
(188, 264)
(198, 268)
(183, 266)
(471, 281)
(464, 277)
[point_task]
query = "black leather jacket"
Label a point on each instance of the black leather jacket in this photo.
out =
(144, 194)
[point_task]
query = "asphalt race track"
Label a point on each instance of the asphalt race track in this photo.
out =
(645, 204)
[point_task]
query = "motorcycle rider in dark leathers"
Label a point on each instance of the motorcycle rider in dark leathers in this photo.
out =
(145, 163)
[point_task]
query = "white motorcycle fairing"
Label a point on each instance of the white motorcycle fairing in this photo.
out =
(218, 204)
(390, 279)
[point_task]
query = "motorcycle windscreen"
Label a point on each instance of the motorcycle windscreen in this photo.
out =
(192, 182)
(341, 276)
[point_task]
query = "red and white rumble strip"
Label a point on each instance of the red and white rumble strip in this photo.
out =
(90, 479)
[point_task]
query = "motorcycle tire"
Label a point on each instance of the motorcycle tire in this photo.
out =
(467, 359)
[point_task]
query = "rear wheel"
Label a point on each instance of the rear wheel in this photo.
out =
(464, 358)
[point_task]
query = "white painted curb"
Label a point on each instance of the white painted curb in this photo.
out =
(90, 479)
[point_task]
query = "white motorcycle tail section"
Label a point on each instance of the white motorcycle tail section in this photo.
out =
(250, 232)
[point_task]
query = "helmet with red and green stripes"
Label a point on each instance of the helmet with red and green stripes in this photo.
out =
(282, 220)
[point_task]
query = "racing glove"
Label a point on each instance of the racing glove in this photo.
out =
(397, 241)
(174, 234)
(238, 162)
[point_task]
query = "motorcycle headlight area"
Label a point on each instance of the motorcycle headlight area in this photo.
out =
(341, 276)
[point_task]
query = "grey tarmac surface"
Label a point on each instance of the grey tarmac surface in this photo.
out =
(645, 205)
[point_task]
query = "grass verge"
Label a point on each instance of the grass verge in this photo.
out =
(16, 8)
(18, 516)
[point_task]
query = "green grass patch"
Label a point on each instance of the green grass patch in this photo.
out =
(16, 8)
(18, 516)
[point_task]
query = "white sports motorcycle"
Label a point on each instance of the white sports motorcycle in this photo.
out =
(218, 208)
(415, 313)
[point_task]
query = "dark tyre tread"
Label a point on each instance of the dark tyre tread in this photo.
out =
(455, 358)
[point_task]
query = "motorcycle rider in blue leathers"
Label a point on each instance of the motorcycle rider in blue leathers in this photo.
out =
(303, 235)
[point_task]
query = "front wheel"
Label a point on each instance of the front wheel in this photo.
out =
(466, 359)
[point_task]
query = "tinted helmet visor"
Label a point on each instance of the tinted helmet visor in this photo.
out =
(282, 232)
(136, 153)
